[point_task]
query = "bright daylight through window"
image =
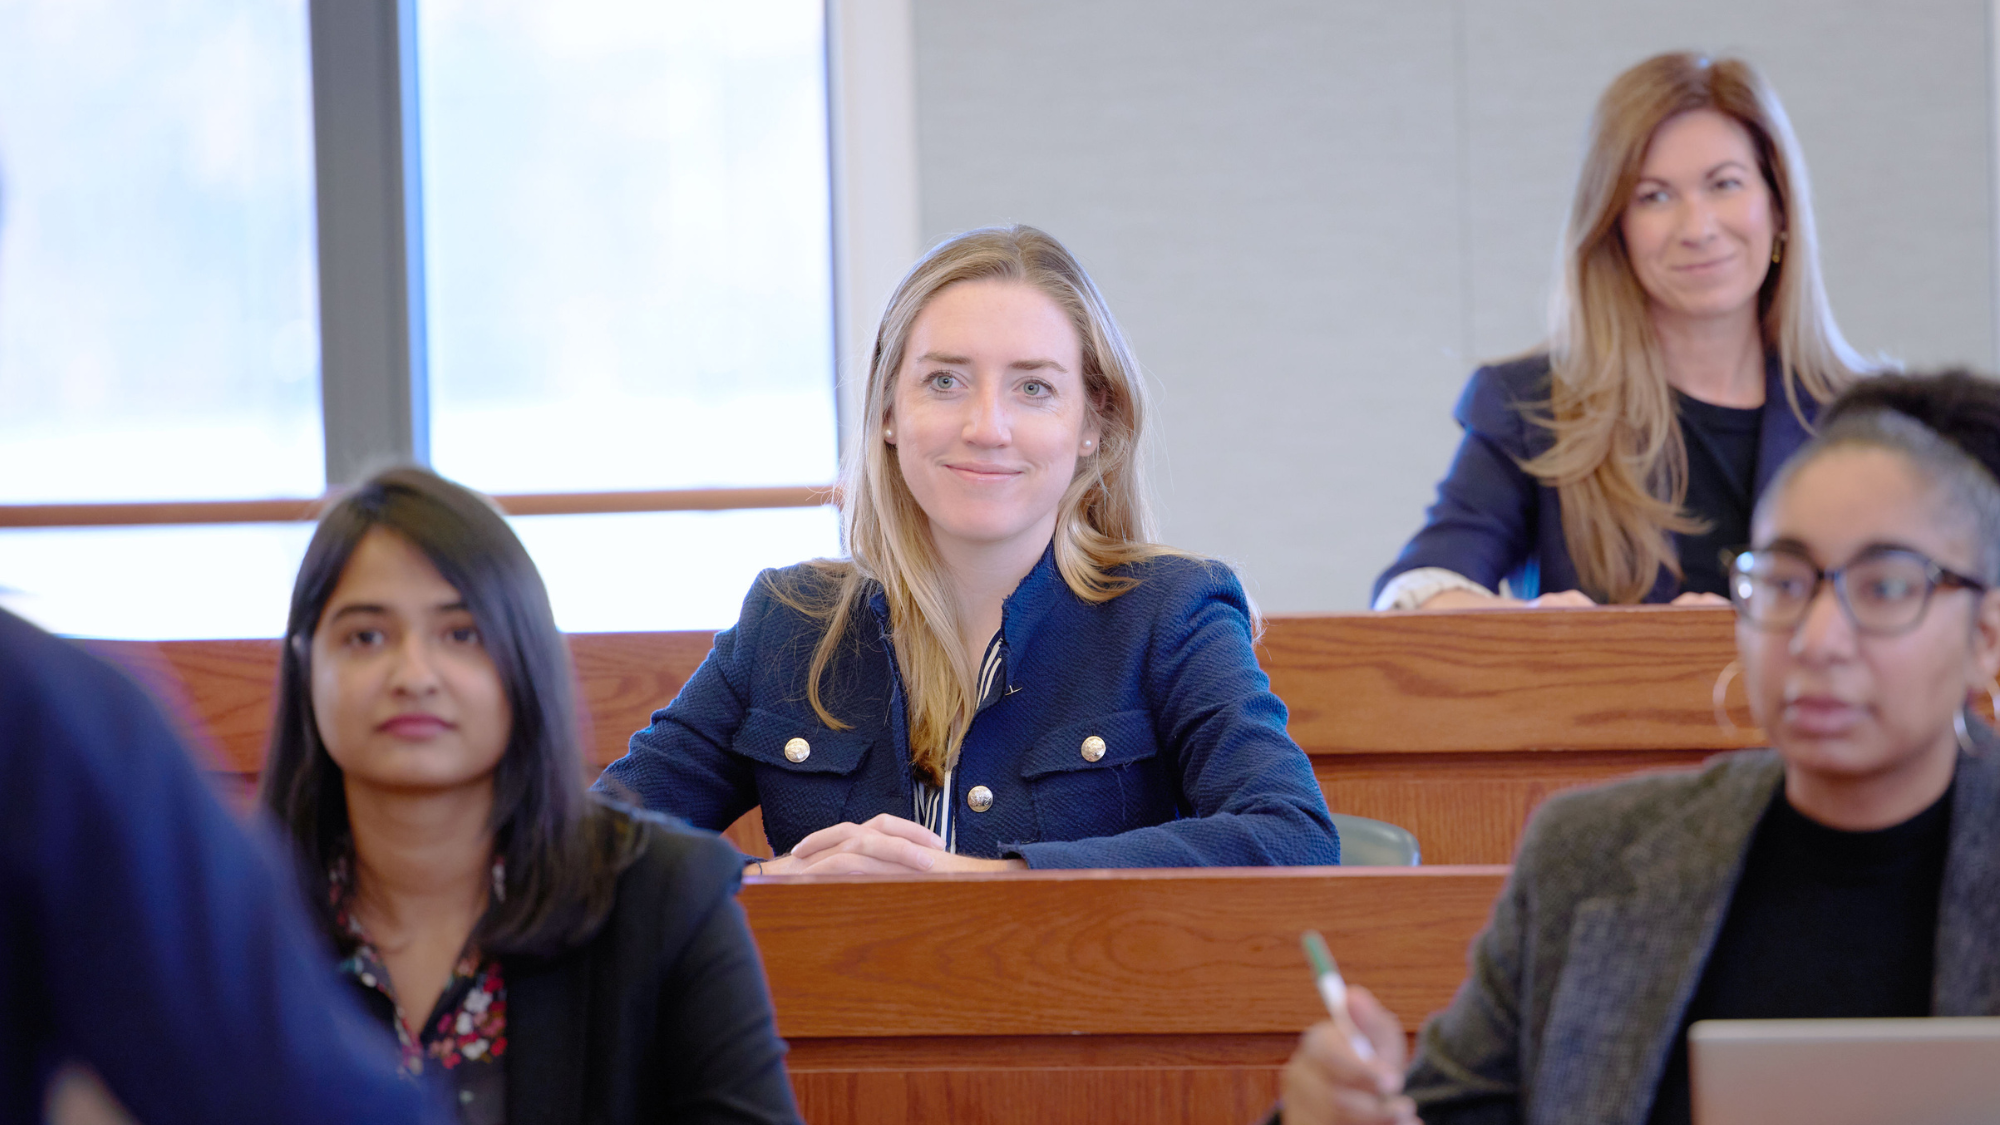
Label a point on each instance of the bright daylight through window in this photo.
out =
(627, 261)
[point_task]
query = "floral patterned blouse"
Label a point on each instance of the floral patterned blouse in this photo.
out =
(466, 1031)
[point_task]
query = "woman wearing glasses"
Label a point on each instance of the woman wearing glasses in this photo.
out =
(1852, 871)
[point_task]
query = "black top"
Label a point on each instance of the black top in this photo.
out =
(663, 1016)
(464, 1038)
(1824, 924)
(1722, 472)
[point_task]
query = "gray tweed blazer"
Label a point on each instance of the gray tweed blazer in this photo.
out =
(1578, 983)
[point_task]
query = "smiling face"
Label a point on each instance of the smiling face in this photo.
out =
(1868, 714)
(1701, 223)
(989, 416)
(404, 694)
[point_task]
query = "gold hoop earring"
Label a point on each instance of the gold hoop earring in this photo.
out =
(1963, 729)
(1778, 248)
(1719, 698)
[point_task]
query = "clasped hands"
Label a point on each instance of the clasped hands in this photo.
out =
(884, 845)
(1565, 599)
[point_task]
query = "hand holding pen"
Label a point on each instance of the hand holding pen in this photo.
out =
(1348, 1069)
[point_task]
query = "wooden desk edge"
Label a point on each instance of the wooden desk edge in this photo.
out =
(1136, 874)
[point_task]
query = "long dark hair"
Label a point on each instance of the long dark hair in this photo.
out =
(562, 857)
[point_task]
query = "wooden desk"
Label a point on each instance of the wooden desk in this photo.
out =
(1456, 725)
(1453, 725)
(1090, 996)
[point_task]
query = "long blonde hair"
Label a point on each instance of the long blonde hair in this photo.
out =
(1102, 522)
(1618, 460)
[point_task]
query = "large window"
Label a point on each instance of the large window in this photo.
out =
(626, 245)
(158, 316)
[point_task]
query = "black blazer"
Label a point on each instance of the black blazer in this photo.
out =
(664, 1016)
(1492, 520)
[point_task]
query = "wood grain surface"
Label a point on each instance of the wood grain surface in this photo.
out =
(1104, 953)
(1089, 996)
(1453, 725)
(1018, 1094)
(1483, 681)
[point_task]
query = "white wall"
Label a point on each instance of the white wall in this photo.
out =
(1313, 218)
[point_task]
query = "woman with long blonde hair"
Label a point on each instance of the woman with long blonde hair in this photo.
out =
(1006, 671)
(1690, 348)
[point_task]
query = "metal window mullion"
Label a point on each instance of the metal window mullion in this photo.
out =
(374, 387)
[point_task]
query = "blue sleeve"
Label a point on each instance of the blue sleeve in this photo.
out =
(681, 764)
(1482, 524)
(157, 940)
(1254, 796)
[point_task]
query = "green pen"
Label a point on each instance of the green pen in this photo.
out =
(1333, 991)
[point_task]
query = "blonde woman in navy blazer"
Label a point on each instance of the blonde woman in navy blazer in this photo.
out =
(1006, 671)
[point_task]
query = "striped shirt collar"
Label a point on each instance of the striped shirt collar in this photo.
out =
(934, 803)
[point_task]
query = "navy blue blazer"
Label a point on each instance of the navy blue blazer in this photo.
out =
(1197, 769)
(145, 932)
(1493, 521)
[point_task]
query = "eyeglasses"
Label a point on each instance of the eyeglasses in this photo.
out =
(1884, 591)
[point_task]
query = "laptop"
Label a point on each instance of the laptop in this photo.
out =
(1943, 1071)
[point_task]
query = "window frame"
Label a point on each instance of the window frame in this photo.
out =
(368, 184)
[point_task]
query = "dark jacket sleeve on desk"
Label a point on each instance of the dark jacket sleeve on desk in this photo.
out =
(692, 761)
(1493, 521)
(663, 1017)
(682, 764)
(1251, 791)
(143, 932)
(1488, 518)
(1194, 767)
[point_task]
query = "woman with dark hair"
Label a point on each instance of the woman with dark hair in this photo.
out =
(1853, 870)
(559, 957)
(1690, 344)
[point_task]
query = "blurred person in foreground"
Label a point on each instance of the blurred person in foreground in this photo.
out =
(1852, 871)
(145, 934)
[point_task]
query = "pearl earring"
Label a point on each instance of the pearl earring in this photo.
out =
(889, 436)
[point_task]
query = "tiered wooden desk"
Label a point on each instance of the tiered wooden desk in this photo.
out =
(1154, 995)
(1086, 997)
(1456, 725)
(1453, 725)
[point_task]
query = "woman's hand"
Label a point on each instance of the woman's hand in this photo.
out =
(885, 845)
(1326, 1083)
(1694, 598)
(1467, 599)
